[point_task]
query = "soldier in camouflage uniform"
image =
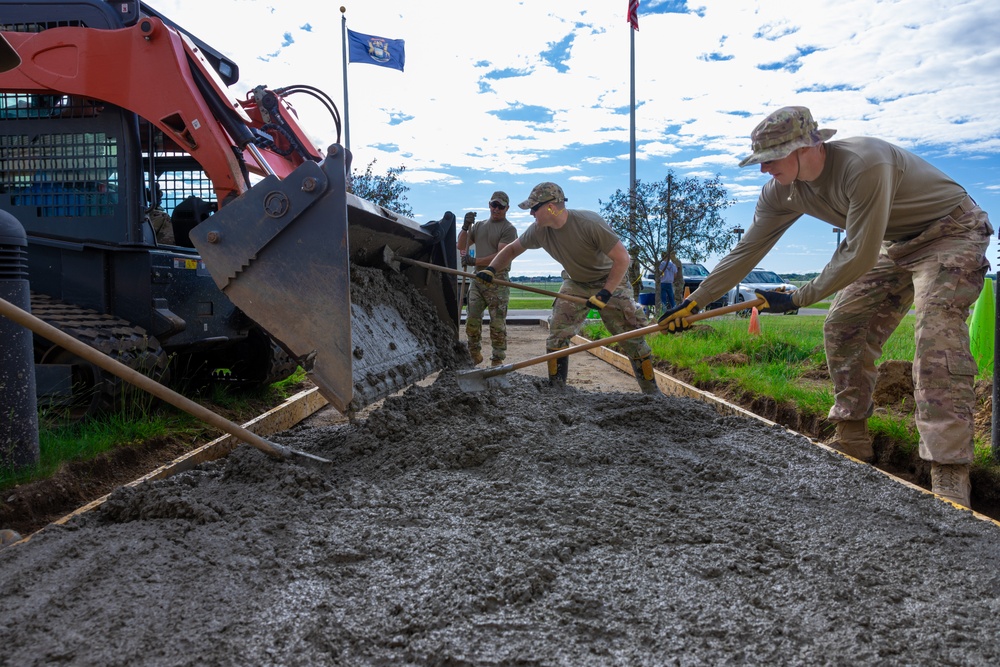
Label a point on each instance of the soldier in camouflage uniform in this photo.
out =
(595, 267)
(913, 237)
(489, 237)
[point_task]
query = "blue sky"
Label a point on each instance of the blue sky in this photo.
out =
(506, 94)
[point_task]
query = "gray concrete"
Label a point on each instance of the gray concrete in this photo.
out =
(517, 526)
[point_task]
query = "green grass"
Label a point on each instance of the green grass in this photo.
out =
(142, 420)
(771, 364)
(774, 364)
(60, 441)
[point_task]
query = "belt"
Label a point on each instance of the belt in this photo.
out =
(966, 205)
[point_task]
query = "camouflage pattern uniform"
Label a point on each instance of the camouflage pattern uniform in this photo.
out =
(483, 296)
(925, 240)
(620, 315)
(584, 244)
(942, 272)
(489, 236)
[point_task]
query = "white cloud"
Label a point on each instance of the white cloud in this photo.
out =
(540, 91)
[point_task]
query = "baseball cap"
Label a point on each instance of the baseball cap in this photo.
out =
(543, 192)
(501, 197)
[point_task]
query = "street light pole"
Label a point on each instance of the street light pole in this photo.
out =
(739, 233)
(838, 231)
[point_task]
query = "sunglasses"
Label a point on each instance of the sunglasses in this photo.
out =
(534, 209)
(496, 204)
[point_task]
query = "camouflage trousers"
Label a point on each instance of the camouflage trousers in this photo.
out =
(620, 315)
(941, 273)
(493, 297)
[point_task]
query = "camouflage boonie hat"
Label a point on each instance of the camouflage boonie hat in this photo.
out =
(500, 196)
(542, 194)
(782, 132)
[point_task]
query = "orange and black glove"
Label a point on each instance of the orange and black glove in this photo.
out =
(675, 319)
(600, 299)
(776, 301)
(486, 275)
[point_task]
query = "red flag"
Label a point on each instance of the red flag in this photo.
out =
(633, 13)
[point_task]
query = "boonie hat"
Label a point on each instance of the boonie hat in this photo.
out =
(500, 196)
(782, 132)
(543, 192)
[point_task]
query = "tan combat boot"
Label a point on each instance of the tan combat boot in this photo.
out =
(643, 370)
(852, 439)
(951, 481)
(558, 371)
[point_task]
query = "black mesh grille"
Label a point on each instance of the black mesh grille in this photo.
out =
(66, 174)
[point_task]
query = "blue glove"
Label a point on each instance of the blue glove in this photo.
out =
(675, 319)
(600, 299)
(486, 275)
(776, 301)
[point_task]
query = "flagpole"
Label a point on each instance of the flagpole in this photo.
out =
(631, 163)
(343, 40)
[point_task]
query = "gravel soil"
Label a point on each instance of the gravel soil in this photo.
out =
(518, 526)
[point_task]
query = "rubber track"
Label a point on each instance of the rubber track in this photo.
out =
(117, 338)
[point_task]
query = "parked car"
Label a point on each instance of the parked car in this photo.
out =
(759, 279)
(694, 273)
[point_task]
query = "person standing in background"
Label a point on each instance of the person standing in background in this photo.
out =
(489, 237)
(668, 271)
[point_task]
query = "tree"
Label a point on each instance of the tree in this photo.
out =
(682, 217)
(387, 191)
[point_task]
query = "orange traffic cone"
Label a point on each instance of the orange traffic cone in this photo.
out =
(687, 291)
(754, 329)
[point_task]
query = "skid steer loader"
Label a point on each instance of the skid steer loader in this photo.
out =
(188, 232)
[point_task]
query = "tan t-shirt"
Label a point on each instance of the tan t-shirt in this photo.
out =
(487, 235)
(581, 245)
(871, 189)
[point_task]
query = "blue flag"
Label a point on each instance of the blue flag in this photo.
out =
(375, 50)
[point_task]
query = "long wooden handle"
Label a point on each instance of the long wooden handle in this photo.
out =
(527, 288)
(636, 333)
(29, 321)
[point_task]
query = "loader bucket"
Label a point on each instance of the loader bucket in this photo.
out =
(283, 253)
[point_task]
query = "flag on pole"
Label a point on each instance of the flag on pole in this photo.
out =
(633, 14)
(375, 50)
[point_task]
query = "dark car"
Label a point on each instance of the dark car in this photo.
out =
(694, 273)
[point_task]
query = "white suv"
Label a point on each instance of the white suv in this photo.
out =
(759, 279)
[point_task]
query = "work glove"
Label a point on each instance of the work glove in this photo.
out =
(469, 260)
(470, 218)
(600, 299)
(675, 319)
(776, 301)
(486, 275)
